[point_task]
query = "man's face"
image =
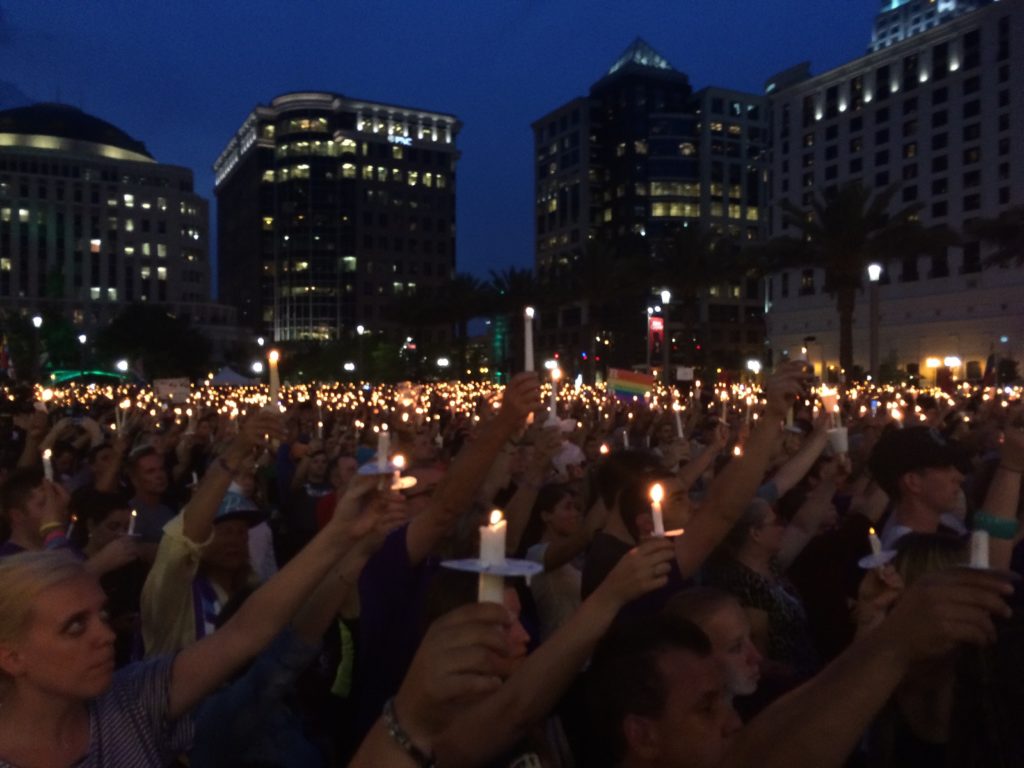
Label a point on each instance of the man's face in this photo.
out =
(937, 487)
(694, 728)
(149, 475)
(29, 516)
(728, 629)
(229, 550)
(318, 468)
(345, 469)
(113, 525)
(102, 459)
(423, 448)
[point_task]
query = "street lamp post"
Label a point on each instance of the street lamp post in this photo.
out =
(874, 275)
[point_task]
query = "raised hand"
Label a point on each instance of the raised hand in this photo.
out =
(788, 381)
(643, 569)
(522, 396)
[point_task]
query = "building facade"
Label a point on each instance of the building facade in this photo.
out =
(619, 172)
(899, 19)
(90, 222)
(941, 114)
(331, 211)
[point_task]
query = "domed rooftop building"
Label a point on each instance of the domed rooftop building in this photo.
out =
(90, 221)
(63, 127)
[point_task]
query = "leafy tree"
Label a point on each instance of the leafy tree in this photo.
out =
(166, 344)
(843, 232)
(1005, 232)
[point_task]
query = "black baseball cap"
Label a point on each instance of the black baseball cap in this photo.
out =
(900, 451)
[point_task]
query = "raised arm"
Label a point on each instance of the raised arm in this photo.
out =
(793, 471)
(809, 519)
(1003, 496)
(823, 719)
(483, 732)
(736, 485)
(456, 492)
(693, 470)
(203, 666)
(519, 507)
(198, 514)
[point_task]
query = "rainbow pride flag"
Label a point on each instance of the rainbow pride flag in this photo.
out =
(628, 384)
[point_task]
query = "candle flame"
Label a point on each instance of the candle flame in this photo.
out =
(135, 513)
(604, 449)
(273, 356)
(398, 461)
(47, 395)
(496, 516)
(556, 374)
(657, 493)
(530, 311)
(47, 454)
(871, 531)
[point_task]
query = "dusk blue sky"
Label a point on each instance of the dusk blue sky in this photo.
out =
(181, 76)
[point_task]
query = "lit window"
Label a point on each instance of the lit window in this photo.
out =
(413, 178)
(396, 153)
(268, 175)
(129, 225)
(161, 273)
(23, 215)
(111, 294)
(161, 250)
(94, 246)
(161, 203)
(368, 173)
(348, 263)
(144, 273)
(146, 249)
(129, 201)
(686, 149)
(348, 171)
(146, 206)
(428, 179)
(5, 215)
(129, 250)
(5, 265)
(348, 146)
(94, 293)
(441, 181)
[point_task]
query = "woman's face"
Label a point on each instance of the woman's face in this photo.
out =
(564, 518)
(113, 525)
(729, 631)
(68, 649)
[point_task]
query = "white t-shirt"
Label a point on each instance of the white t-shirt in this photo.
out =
(556, 593)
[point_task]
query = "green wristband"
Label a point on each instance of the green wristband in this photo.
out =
(996, 527)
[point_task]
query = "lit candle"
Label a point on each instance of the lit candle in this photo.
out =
(657, 494)
(320, 419)
(71, 528)
(750, 407)
(875, 542)
(979, 549)
(491, 587)
(528, 362)
(399, 464)
(48, 464)
(679, 421)
(725, 401)
(556, 374)
(131, 523)
(275, 378)
(383, 448)
(604, 449)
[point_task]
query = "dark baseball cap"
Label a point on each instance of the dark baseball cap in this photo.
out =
(900, 451)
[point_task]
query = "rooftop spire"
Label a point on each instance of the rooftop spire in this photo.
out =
(641, 54)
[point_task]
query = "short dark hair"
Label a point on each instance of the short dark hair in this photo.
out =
(139, 454)
(16, 489)
(624, 677)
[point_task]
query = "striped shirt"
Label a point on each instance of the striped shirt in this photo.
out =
(128, 724)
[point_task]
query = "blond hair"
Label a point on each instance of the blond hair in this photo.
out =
(22, 578)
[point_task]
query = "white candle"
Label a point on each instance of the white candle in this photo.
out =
(71, 528)
(399, 463)
(725, 406)
(320, 419)
(556, 374)
(48, 464)
(528, 361)
(657, 494)
(491, 587)
(625, 438)
(979, 549)
(275, 378)
(676, 409)
(131, 523)
(383, 448)
(875, 542)
(750, 407)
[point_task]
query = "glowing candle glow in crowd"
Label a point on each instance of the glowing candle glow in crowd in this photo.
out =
(875, 542)
(275, 377)
(528, 361)
(131, 523)
(657, 494)
(48, 464)
(491, 587)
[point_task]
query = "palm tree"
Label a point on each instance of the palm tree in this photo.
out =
(844, 232)
(461, 299)
(1005, 232)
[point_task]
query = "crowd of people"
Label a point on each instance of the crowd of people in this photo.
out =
(208, 587)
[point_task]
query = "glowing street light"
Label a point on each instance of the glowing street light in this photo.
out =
(443, 362)
(257, 367)
(122, 366)
(37, 321)
(82, 338)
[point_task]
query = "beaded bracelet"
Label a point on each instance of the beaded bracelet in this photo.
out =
(996, 527)
(402, 739)
(47, 527)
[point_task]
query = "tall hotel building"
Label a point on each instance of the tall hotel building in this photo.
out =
(331, 211)
(937, 108)
(90, 222)
(619, 169)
